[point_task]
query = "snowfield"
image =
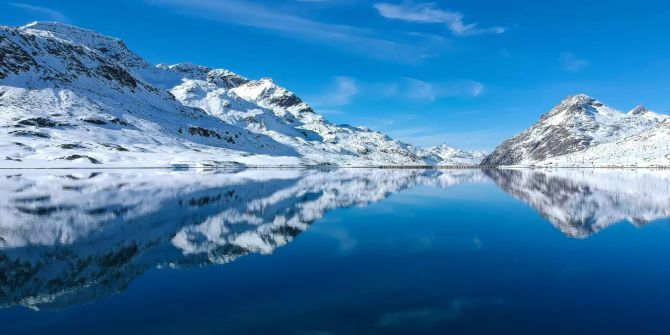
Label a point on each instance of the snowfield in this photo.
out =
(71, 97)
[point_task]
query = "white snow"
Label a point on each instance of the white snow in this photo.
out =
(71, 97)
(583, 132)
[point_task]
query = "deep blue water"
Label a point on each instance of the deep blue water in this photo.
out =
(335, 252)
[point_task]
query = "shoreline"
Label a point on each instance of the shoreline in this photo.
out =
(329, 167)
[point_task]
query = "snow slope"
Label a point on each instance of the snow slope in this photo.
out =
(650, 148)
(576, 133)
(73, 97)
(263, 107)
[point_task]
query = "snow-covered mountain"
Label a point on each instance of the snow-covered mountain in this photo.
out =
(70, 96)
(583, 131)
(446, 155)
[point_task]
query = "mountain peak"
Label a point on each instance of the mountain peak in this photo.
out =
(579, 100)
(53, 25)
(639, 110)
(68, 32)
(576, 125)
(577, 104)
(190, 70)
(112, 47)
(188, 67)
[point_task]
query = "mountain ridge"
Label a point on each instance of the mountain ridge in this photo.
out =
(74, 97)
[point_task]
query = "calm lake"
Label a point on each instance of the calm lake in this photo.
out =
(346, 251)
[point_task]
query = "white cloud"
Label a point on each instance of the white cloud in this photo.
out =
(44, 12)
(342, 92)
(429, 13)
(572, 63)
(481, 139)
(272, 17)
(344, 89)
(423, 91)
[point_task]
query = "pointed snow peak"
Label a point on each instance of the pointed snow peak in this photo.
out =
(579, 100)
(639, 110)
(575, 105)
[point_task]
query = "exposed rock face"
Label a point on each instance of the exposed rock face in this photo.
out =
(575, 125)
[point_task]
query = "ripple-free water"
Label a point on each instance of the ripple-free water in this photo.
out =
(348, 251)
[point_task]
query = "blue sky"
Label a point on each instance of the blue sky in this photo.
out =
(463, 72)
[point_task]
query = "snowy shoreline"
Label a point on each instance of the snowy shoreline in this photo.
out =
(332, 167)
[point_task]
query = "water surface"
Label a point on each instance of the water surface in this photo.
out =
(349, 251)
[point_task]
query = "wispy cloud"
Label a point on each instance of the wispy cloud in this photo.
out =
(272, 17)
(342, 92)
(572, 63)
(42, 12)
(345, 89)
(480, 139)
(419, 90)
(429, 13)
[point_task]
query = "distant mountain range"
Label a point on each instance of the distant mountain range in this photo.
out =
(582, 131)
(73, 97)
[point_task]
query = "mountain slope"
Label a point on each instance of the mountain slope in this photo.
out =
(650, 148)
(575, 125)
(63, 101)
(73, 97)
(263, 107)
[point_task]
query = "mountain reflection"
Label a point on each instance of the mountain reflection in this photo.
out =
(581, 202)
(75, 237)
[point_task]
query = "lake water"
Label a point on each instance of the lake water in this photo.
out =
(349, 251)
